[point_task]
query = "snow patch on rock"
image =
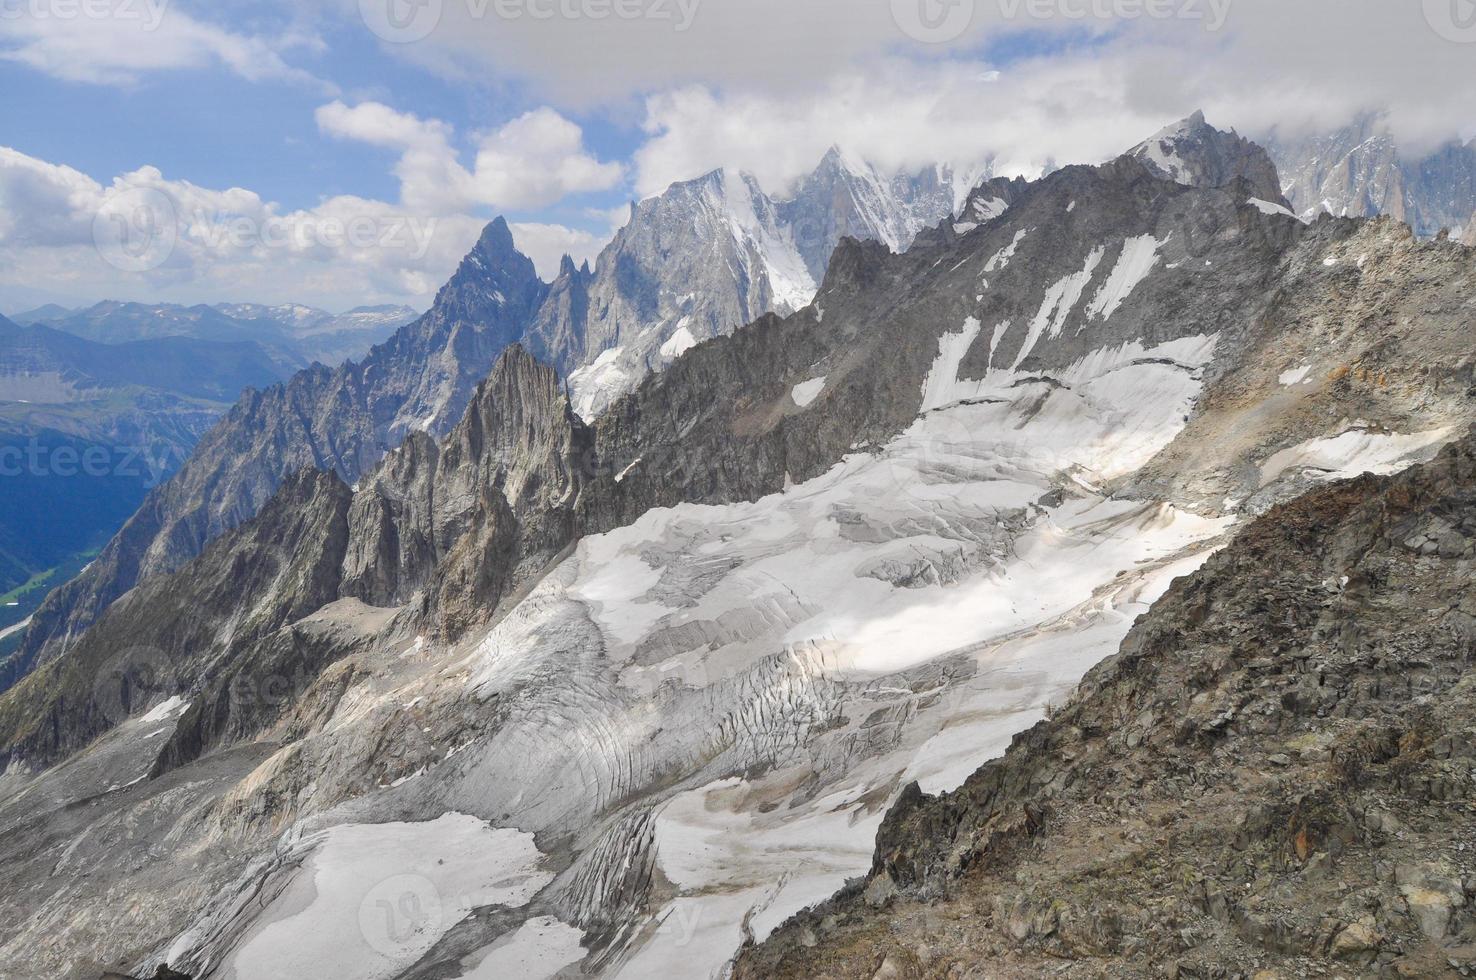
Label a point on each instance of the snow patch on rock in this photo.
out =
(1060, 299)
(807, 391)
(1354, 452)
(680, 342)
(1139, 256)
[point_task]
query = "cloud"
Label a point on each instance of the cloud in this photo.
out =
(533, 161)
(117, 42)
(804, 75)
(538, 159)
(379, 125)
(899, 115)
(149, 237)
(547, 245)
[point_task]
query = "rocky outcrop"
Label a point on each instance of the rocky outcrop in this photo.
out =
(457, 520)
(1194, 152)
(1271, 772)
(846, 197)
(985, 203)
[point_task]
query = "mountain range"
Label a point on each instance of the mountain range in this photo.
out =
(1359, 170)
(694, 263)
(415, 670)
(711, 254)
(297, 334)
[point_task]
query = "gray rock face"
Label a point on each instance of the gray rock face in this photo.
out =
(845, 197)
(712, 254)
(697, 262)
(1194, 152)
(448, 519)
(1359, 171)
(984, 203)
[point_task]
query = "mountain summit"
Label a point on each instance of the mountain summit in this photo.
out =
(1193, 152)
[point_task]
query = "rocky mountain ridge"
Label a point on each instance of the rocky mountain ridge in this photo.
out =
(704, 642)
(714, 253)
(1194, 152)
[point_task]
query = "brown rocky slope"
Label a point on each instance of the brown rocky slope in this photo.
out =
(1272, 778)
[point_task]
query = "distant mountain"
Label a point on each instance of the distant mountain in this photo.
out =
(711, 254)
(39, 364)
(298, 334)
(318, 335)
(847, 197)
(1360, 171)
(41, 314)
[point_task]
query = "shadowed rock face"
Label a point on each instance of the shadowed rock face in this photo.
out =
(1272, 770)
(445, 521)
(250, 583)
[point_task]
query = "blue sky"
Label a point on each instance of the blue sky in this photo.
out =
(297, 114)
